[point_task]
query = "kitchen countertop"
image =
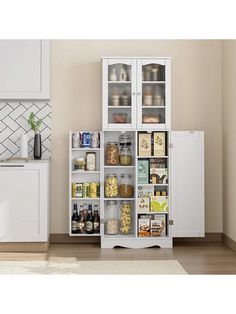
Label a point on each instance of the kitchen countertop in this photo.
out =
(20, 161)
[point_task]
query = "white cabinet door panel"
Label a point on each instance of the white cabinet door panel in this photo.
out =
(187, 183)
(24, 69)
(23, 204)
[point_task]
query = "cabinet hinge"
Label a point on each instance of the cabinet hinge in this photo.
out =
(171, 145)
(171, 222)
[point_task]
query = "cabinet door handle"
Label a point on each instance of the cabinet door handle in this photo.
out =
(138, 93)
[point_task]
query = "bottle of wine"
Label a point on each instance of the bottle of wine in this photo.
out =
(96, 220)
(74, 220)
(89, 221)
(81, 221)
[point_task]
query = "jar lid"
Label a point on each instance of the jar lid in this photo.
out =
(80, 159)
(126, 202)
(111, 175)
(126, 175)
(112, 143)
(111, 202)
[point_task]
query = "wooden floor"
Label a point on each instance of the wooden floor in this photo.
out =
(211, 258)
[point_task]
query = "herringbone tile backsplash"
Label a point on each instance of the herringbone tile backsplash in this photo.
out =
(13, 123)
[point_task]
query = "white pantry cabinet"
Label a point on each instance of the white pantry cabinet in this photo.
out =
(136, 93)
(24, 201)
(24, 69)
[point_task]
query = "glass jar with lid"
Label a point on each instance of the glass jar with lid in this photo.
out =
(111, 218)
(126, 188)
(125, 140)
(79, 164)
(111, 186)
(125, 156)
(125, 217)
(112, 154)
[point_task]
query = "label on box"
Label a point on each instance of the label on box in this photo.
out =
(143, 204)
(159, 139)
(145, 191)
(158, 226)
(159, 204)
(162, 175)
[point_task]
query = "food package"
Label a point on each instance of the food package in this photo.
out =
(158, 226)
(144, 227)
(159, 142)
(143, 204)
(143, 172)
(159, 204)
(144, 144)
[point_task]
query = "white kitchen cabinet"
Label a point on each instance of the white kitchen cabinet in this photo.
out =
(24, 201)
(24, 69)
(187, 183)
(136, 93)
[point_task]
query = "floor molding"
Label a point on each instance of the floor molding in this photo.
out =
(64, 238)
(229, 242)
(209, 237)
(24, 247)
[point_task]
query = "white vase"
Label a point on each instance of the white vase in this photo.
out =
(24, 146)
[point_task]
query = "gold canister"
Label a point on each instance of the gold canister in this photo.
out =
(85, 190)
(93, 190)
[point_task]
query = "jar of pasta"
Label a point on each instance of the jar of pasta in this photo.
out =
(111, 218)
(126, 188)
(125, 217)
(111, 185)
(112, 154)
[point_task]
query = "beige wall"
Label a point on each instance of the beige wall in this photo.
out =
(196, 105)
(229, 137)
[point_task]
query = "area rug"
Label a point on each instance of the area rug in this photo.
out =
(157, 267)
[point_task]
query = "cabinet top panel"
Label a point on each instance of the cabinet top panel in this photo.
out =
(132, 57)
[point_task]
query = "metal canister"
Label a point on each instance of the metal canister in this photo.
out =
(93, 190)
(86, 139)
(98, 189)
(95, 141)
(85, 190)
(75, 140)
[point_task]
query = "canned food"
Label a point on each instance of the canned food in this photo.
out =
(75, 140)
(86, 139)
(93, 190)
(95, 141)
(85, 190)
(77, 190)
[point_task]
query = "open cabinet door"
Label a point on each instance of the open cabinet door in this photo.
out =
(187, 183)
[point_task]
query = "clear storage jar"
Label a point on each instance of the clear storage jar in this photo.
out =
(126, 188)
(125, 156)
(112, 154)
(125, 217)
(111, 218)
(111, 186)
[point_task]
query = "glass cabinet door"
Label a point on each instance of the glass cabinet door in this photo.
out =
(153, 93)
(119, 101)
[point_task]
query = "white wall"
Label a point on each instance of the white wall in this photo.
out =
(196, 105)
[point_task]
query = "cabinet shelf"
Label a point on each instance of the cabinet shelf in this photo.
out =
(118, 199)
(86, 199)
(119, 82)
(150, 184)
(85, 172)
(85, 235)
(151, 213)
(119, 107)
(153, 82)
(117, 167)
(153, 107)
(152, 157)
(85, 149)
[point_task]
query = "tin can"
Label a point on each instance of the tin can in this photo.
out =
(93, 190)
(98, 189)
(85, 190)
(95, 140)
(77, 190)
(86, 139)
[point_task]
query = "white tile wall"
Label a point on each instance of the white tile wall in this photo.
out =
(13, 123)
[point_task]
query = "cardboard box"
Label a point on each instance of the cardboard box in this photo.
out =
(143, 171)
(162, 175)
(144, 144)
(159, 143)
(158, 226)
(159, 204)
(144, 227)
(143, 204)
(145, 191)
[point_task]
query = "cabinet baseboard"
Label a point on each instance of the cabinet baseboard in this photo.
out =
(209, 237)
(24, 246)
(64, 238)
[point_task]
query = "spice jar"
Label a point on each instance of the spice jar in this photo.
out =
(111, 185)
(125, 139)
(111, 220)
(126, 188)
(158, 100)
(125, 156)
(125, 217)
(112, 154)
(115, 100)
(125, 100)
(80, 164)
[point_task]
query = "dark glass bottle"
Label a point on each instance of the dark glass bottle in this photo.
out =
(96, 220)
(74, 220)
(89, 221)
(81, 221)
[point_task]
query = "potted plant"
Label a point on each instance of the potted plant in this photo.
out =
(35, 126)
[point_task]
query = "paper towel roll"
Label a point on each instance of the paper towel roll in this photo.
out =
(24, 146)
